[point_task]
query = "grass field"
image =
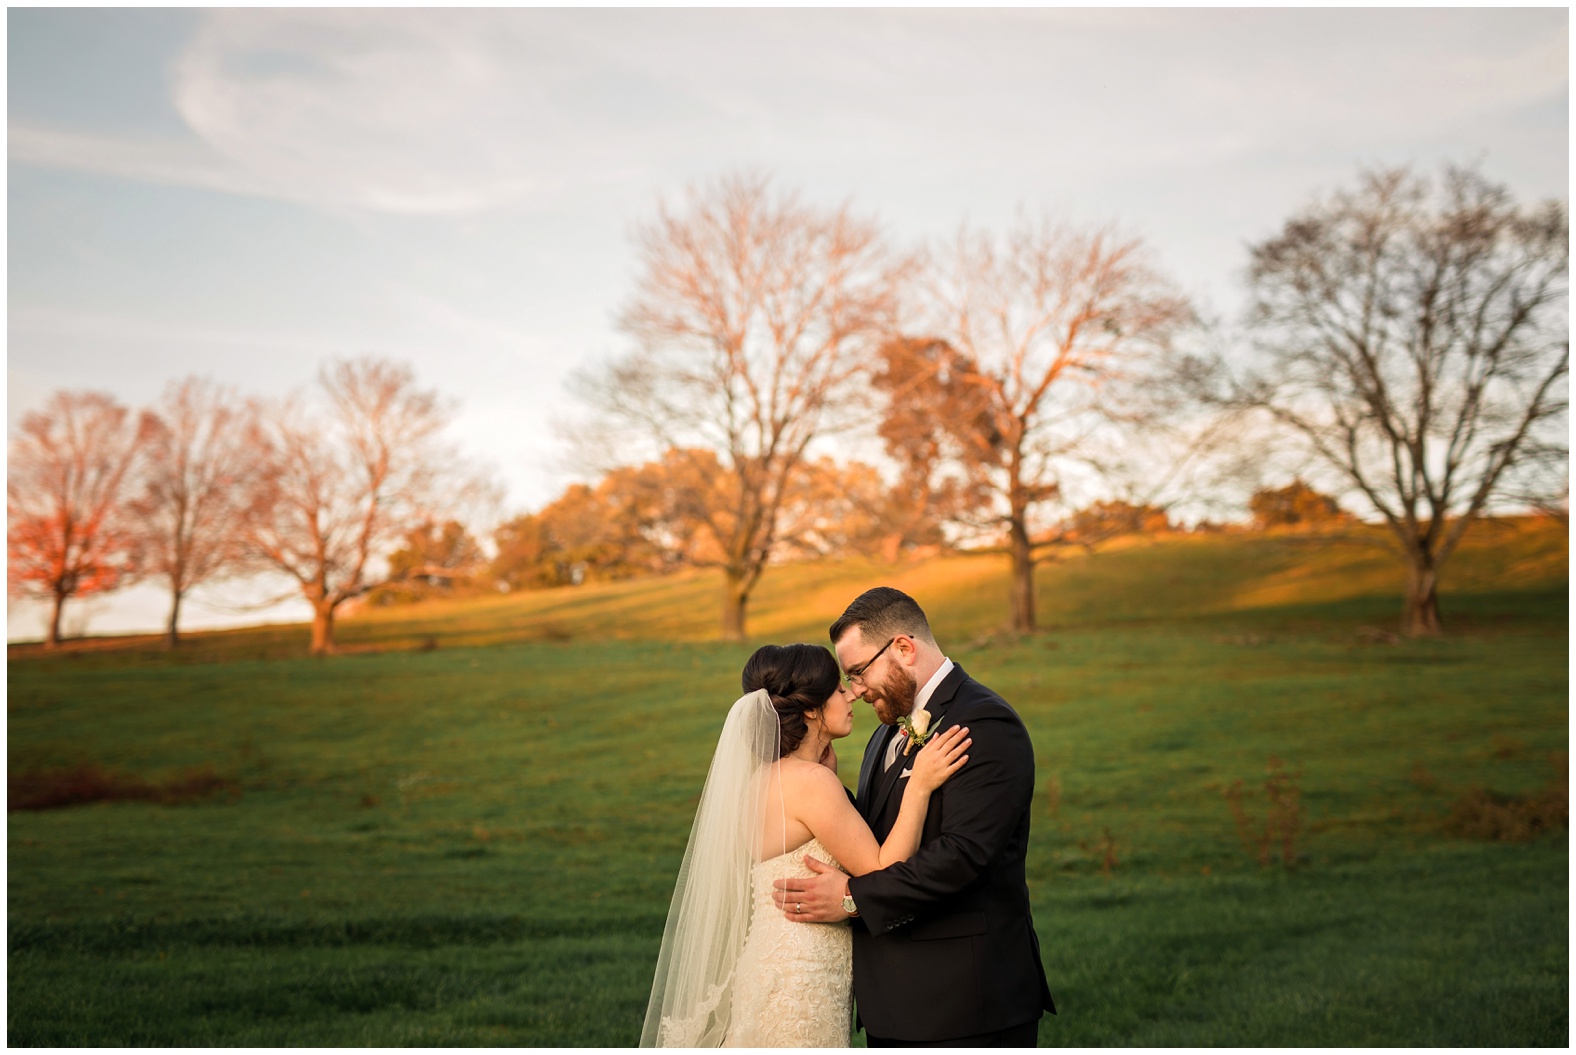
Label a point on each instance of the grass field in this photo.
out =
(466, 832)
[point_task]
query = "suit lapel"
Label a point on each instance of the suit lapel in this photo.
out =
(885, 781)
(875, 775)
(873, 751)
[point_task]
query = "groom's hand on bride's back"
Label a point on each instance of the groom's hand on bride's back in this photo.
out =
(817, 899)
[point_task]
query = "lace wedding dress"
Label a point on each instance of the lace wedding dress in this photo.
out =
(794, 982)
(732, 971)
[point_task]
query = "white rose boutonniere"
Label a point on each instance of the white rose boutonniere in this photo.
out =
(917, 729)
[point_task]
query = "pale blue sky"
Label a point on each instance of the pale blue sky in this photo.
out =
(243, 193)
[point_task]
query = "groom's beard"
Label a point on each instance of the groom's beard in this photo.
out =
(895, 697)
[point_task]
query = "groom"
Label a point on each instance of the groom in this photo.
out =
(944, 946)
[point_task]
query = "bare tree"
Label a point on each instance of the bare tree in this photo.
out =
(67, 531)
(1031, 326)
(1415, 341)
(342, 484)
(752, 314)
(202, 456)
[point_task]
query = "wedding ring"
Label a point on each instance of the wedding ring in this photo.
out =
(798, 906)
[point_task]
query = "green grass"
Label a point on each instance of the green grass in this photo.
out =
(475, 845)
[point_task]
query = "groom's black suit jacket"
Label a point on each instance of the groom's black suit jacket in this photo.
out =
(944, 946)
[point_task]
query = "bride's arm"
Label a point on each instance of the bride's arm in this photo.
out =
(937, 760)
(822, 804)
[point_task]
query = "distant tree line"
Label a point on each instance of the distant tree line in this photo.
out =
(1407, 346)
(207, 486)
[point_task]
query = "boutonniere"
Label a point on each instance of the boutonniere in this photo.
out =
(917, 729)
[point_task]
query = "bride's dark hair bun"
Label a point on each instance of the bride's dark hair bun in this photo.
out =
(799, 678)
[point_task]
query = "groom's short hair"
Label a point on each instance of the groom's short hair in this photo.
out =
(884, 612)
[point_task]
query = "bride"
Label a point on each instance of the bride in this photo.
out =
(733, 972)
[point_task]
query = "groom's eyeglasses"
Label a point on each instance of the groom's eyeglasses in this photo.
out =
(854, 674)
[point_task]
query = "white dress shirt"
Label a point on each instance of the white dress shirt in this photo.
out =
(921, 698)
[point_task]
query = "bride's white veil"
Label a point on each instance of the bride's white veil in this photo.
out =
(692, 993)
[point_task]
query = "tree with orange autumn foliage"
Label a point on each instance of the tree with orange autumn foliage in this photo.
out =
(637, 520)
(650, 519)
(937, 417)
(1295, 505)
(434, 560)
(67, 532)
(1113, 518)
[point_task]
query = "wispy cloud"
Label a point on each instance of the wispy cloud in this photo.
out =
(415, 112)
(466, 112)
(152, 161)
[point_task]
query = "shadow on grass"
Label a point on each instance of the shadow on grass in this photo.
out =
(130, 934)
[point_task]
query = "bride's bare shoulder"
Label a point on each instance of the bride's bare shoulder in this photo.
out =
(810, 778)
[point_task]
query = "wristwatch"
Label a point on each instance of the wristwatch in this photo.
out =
(848, 905)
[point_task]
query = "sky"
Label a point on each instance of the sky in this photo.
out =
(244, 194)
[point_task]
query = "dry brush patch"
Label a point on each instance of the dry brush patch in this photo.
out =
(1103, 851)
(1283, 819)
(86, 782)
(1494, 816)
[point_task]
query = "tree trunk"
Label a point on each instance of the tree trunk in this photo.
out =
(52, 639)
(172, 633)
(1022, 576)
(736, 594)
(1420, 617)
(323, 629)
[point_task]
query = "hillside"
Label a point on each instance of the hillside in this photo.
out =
(1248, 580)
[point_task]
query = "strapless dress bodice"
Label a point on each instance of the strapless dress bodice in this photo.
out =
(794, 982)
